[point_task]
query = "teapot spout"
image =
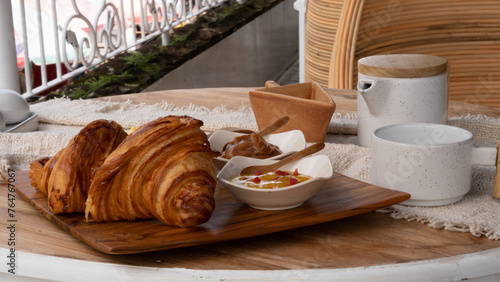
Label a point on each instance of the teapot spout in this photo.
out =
(364, 85)
(366, 89)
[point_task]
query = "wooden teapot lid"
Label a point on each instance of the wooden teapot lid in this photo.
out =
(402, 65)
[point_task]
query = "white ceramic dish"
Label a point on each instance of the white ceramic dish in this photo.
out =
(288, 142)
(14, 107)
(27, 125)
(2, 122)
(319, 167)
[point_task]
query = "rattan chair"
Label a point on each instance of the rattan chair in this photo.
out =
(467, 33)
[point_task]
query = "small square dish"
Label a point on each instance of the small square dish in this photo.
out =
(309, 107)
(27, 125)
(288, 142)
(318, 167)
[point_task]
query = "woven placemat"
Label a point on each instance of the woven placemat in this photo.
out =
(60, 119)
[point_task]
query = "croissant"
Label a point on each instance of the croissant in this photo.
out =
(40, 171)
(65, 178)
(162, 170)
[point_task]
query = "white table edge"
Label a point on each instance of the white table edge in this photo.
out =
(479, 266)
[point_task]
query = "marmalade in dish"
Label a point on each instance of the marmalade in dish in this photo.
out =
(270, 180)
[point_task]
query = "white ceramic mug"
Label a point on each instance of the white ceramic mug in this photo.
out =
(396, 89)
(431, 162)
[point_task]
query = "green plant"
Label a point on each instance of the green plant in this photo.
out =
(78, 93)
(93, 84)
(226, 11)
(138, 58)
(141, 61)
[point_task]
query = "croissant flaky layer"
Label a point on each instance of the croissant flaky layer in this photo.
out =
(65, 178)
(163, 170)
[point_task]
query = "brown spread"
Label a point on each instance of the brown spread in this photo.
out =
(250, 145)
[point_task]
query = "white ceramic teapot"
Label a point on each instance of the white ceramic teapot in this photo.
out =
(402, 88)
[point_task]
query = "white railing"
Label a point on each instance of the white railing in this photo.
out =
(73, 36)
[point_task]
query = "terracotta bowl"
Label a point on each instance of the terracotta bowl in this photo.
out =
(309, 107)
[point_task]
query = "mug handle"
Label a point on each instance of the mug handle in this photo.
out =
(484, 156)
(489, 156)
(496, 188)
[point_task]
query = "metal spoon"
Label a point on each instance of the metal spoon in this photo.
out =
(293, 157)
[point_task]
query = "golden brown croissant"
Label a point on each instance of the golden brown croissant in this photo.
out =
(40, 171)
(164, 170)
(65, 178)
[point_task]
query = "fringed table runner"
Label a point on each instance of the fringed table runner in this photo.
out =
(60, 119)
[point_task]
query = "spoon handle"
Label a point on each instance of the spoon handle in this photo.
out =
(316, 147)
(274, 126)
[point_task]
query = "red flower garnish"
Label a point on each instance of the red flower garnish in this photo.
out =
(258, 173)
(293, 181)
(282, 173)
(296, 172)
(256, 180)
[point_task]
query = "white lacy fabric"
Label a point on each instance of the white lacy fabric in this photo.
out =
(61, 119)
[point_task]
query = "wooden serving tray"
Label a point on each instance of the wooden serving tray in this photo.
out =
(341, 197)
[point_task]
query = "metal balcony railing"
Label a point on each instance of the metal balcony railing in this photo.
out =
(49, 42)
